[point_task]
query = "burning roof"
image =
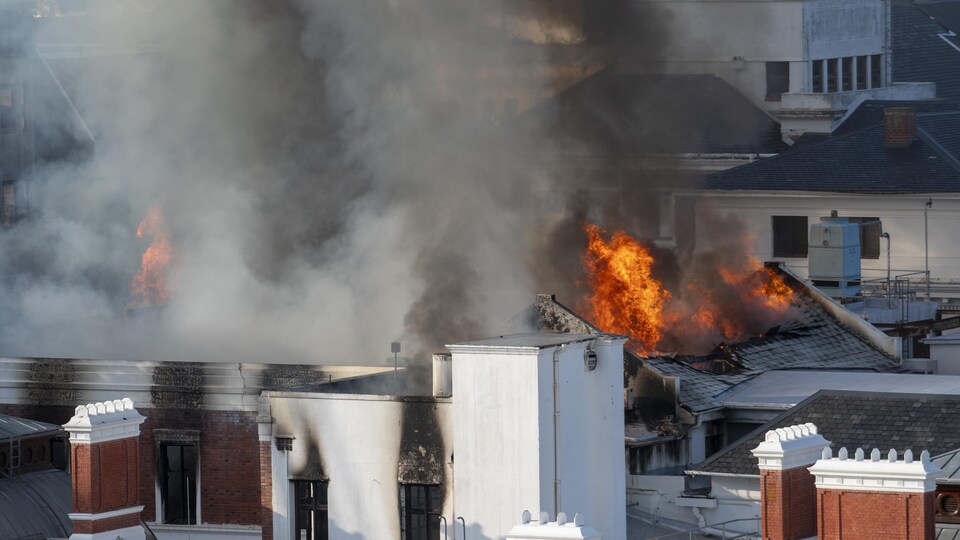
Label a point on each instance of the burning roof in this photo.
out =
(808, 338)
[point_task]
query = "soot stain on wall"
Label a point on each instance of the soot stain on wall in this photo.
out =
(52, 383)
(177, 386)
(422, 456)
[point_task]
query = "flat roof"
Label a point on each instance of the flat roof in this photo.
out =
(528, 341)
(783, 389)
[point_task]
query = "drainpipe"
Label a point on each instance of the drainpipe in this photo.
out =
(926, 249)
(889, 292)
(556, 429)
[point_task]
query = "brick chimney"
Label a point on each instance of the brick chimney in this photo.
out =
(878, 497)
(899, 127)
(788, 496)
(105, 471)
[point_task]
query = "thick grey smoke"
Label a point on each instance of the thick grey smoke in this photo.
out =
(321, 170)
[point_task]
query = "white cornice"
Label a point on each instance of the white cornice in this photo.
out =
(790, 447)
(874, 473)
(106, 515)
(104, 421)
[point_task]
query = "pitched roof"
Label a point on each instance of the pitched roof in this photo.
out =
(920, 54)
(12, 427)
(36, 505)
(856, 420)
(813, 340)
(616, 112)
(857, 162)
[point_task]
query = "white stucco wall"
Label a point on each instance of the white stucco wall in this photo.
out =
(358, 440)
(735, 39)
(946, 351)
(504, 436)
(838, 28)
(902, 217)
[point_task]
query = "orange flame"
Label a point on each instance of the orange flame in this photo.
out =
(734, 300)
(626, 298)
(149, 286)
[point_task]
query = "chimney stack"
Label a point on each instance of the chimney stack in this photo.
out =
(788, 495)
(875, 497)
(899, 127)
(105, 462)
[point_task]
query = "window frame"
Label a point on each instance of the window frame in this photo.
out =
(316, 506)
(777, 79)
(867, 236)
(796, 249)
(431, 510)
(163, 438)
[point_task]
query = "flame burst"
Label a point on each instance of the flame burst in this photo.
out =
(626, 298)
(149, 286)
(728, 299)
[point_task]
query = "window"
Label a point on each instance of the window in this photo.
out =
(421, 506)
(778, 79)
(178, 483)
(311, 517)
(8, 198)
(869, 236)
(862, 72)
(818, 76)
(789, 236)
(832, 74)
(7, 121)
(876, 81)
(846, 74)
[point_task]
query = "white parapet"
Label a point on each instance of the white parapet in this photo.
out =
(104, 421)
(875, 474)
(544, 529)
(790, 447)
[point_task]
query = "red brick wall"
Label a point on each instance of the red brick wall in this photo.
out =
(229, 458)
(855, 515)
(230, 468)
(266, 491)
(788, 504)
(900, 127)
(104, 476)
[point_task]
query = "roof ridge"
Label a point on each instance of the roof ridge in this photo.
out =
(792, 151)
(938, 148)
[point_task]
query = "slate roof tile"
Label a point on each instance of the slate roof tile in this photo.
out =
(856, 420)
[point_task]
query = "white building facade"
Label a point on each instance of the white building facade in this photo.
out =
(535, 422)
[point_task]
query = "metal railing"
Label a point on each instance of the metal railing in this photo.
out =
(712, 530)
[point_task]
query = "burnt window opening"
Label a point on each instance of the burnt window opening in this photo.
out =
(178, 483)
(311, 511)
(421, 506)
(778, 80)
(869, 236)
(818, 76)
(789, 236)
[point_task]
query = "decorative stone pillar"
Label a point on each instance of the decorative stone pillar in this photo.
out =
(788, 496)
(105, 471)
(875, 497)
(552, 530)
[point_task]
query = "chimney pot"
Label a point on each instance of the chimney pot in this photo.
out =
(899, 126)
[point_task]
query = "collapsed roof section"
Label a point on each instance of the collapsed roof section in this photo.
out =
(813, 339)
